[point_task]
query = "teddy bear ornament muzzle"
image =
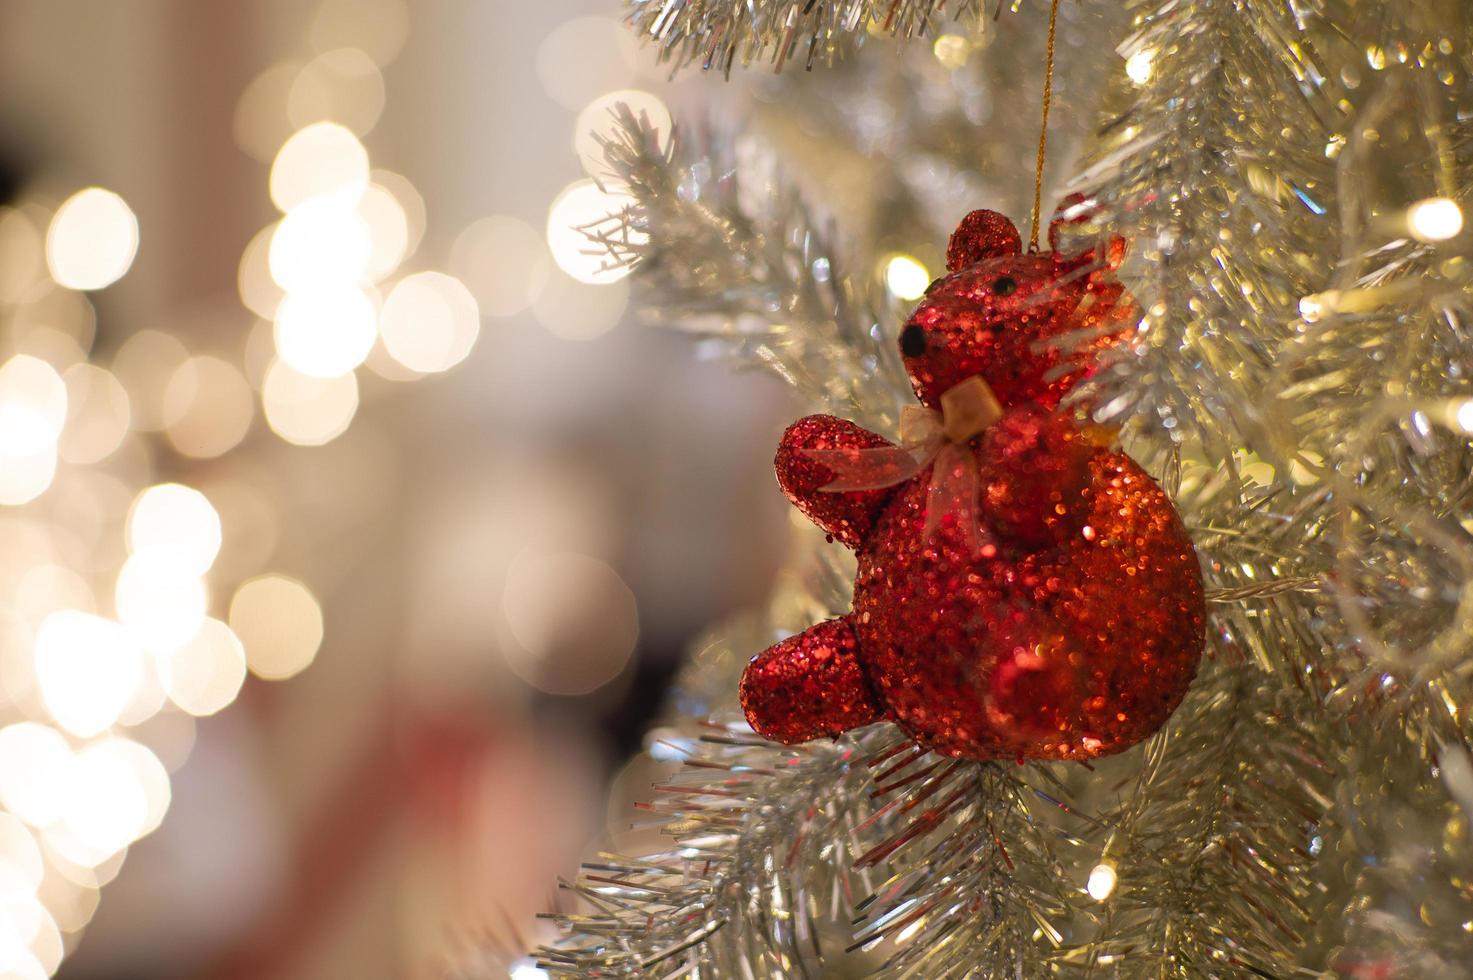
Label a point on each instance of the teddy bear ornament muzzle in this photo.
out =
(1024, 590)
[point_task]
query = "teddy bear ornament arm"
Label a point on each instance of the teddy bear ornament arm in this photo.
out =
(1024, 590)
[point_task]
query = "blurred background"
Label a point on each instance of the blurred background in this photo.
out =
(350, 529)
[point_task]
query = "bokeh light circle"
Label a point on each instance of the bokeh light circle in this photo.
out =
(322, 159)
(205, 674)
(306, 410)
(429, 322)
(92, 240)
(572, 621)
(279, 623)
(178, 521)
(326, 333)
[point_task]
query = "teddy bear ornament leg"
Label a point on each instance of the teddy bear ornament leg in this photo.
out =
(809, 685)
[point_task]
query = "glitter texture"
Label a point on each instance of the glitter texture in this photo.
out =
(1074, 629)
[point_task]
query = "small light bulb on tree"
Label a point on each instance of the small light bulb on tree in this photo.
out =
(1435, 219)
(1102, 880)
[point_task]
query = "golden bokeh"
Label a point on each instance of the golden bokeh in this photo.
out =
(342, 86)
(177, 521)
(161, 598)
(98, 415)
(571, 619)
(429, 322)
(305, 410)
(279, 623)
(323, 159)
(503, 261)
(204, 676)
(144, 365)
(581, 208)
(327, 332)
(209, 405)
(88, 668)
(92, 240)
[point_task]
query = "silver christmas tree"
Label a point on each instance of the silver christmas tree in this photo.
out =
(1291, 178)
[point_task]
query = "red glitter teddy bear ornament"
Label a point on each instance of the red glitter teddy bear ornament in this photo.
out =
(1023, 591)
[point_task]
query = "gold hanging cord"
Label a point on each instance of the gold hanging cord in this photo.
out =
(1048, 91)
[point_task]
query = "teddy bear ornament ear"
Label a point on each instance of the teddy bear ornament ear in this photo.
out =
(981, 235)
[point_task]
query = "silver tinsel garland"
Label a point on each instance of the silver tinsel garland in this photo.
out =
(1300, 381)
(720, 34)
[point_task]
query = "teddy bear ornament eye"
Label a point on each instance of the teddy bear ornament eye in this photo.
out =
(912, 341)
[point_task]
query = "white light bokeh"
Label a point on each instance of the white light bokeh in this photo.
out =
(323, 159)
(279, 623)
(343, 86)
(598, 119)
(209, 405)
(952, 50)
(387, 225)
(572, 619)
(576, 311)
(583, 57)
(31, 383)
(56, 325)
(305, 410)
(178, 521)
(34, 764)
(327, 332)
(260, 124)
(527, 969)
(503, 261)
(1435, 219)
(45, 588)
(118, 792)
(20, 858)
(205, 674)
(906, 278)
(429, 322)
(92, 240)
(148, 698)
(323, 244)
(258, 290)
(410, 202)
(88, 669)
(33, 410)
(377, 27)
(580, 207)
(98, 415)
(1102, 880)
(1138, 66)
(160, 599)
(1462, 415)
(27, 458)
(144, 365)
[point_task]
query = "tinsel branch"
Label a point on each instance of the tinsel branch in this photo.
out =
(719, 34)
(726, 248)
(787, 859)
(1211, 843)
(743, 880)
(1193, 174)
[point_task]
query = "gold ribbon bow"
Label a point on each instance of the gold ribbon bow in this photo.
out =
(927, 438)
